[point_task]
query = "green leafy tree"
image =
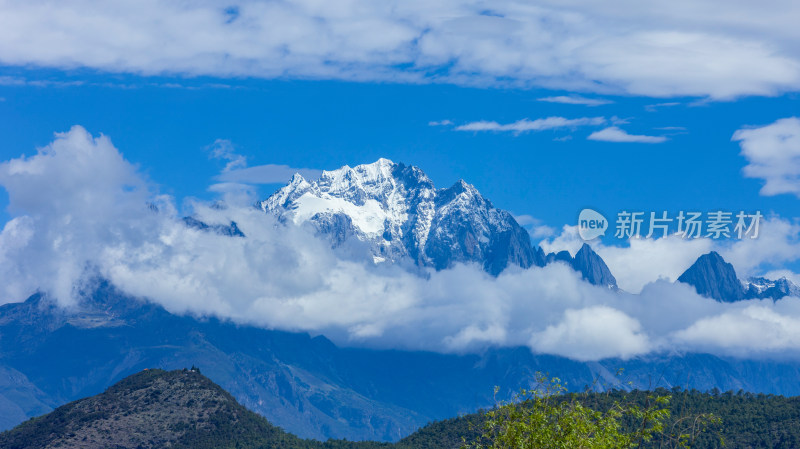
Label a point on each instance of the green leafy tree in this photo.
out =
(548, 417)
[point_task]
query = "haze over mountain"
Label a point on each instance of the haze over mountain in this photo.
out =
(184, 409)
(306, 385)
(396, 342)
(150, 409)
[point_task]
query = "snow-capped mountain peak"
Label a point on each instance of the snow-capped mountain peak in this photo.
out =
(399, 212)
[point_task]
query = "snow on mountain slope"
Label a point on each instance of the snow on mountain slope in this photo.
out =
(401, 215)
(759, 287)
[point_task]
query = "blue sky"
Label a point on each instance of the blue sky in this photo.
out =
(547, 108)
(321, 124)
(322, 84)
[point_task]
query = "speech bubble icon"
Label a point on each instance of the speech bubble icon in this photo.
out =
(591, 224)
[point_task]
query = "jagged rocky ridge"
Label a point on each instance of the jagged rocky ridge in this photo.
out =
(588, 263)
(402, 216)
(712, 277)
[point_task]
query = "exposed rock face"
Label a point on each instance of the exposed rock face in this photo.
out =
(588, 263)
(593, 268)
(759, 287)
(712, 277)
(398, 211)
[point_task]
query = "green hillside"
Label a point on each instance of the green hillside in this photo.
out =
(184, 409)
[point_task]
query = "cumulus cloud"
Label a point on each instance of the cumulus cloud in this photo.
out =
(68, 200)
(773, 154)
(672, 48)
(591, 333)
(526, 125)
(767, 327)
(576, 99)
(80, 210)
(615, 134)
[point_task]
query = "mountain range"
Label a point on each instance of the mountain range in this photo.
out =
(403, 218)
(305, 384)
(712, 277)
(180, 409)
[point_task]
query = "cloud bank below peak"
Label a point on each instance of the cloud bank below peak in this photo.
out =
(283, 277)
(667, 49)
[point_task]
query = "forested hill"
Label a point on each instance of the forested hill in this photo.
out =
(184, 409)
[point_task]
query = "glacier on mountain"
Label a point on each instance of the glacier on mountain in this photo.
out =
(399, 212)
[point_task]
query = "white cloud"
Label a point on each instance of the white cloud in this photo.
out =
(615, 134)
(644, 260)
(80, 210)
(641, 262)
(766, 327)
(526, 125)
(773, 154)
(657, 106)
(69, 199)
(576, 99)
(440, 123)
(778, 243)
(267, 174)
(670, 48)
(592, 333)
(237, 171)
(223, 149)
(536, 228)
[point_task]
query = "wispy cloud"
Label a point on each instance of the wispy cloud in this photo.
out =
(655, 107)
(576, 99)
(20, 81)
(440, 123)
(237, 171)
(615, 134)
(223, 149)
(526, 125)
(612, 47)
(536, 228)
(267, 174)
